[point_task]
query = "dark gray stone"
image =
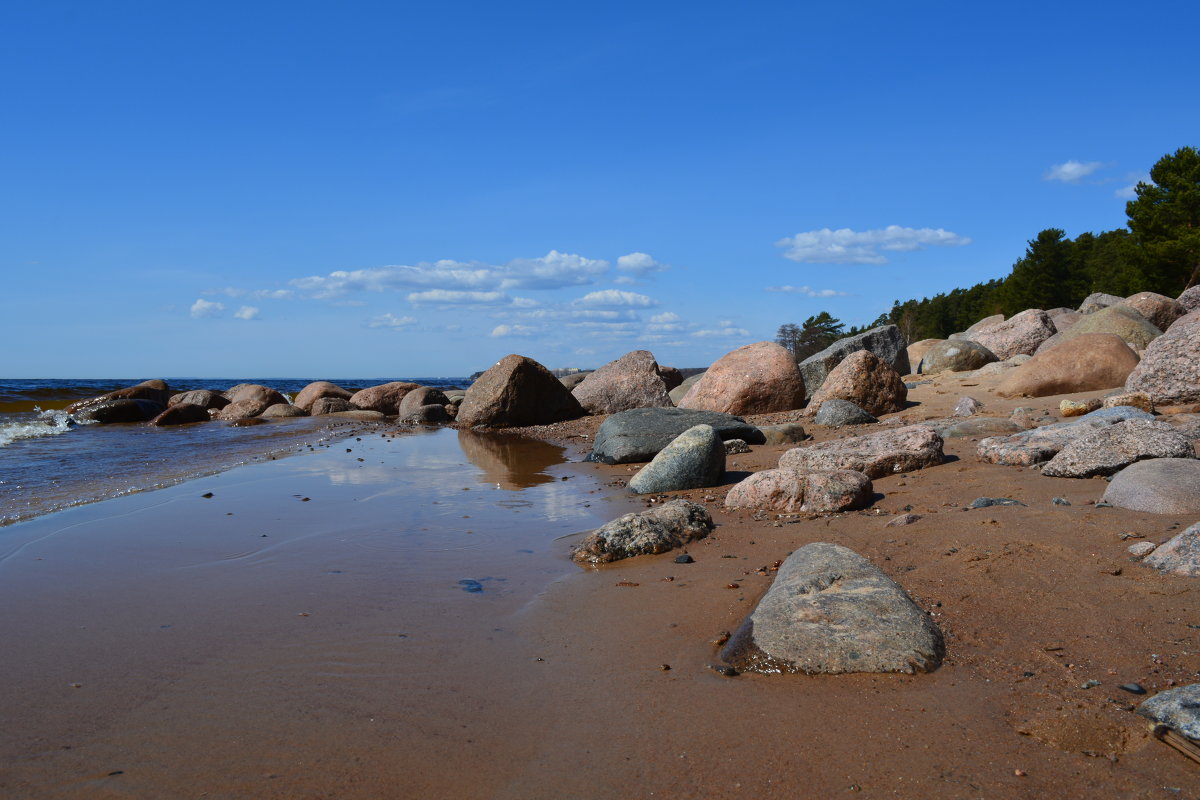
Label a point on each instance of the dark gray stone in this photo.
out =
(985, 502)
(123, 410)
(886, 342)
(837, 412)
(639, 434)
(1178, 709)
(830, 610)
(695, 459)
(657, 530)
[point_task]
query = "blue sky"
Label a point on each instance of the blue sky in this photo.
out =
(268, 189)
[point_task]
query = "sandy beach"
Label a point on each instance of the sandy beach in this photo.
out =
(255, 644)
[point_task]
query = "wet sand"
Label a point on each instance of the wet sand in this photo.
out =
(331, 667)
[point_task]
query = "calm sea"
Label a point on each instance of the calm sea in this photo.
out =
(49, 461)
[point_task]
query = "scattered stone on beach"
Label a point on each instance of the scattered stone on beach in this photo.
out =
(1170, 368)
(120, 410)
(657, 530)
(318, 389)
(1178, 709)
(784, 433)
(1079, 364)
(328, 405)
(955, 355)
(1060, 501)
(736, 446)
(1077, 408)
(1021, 334)
(282, 411)
(1141, 549)
(967, 407)
(1190, 299)
(788, 490)
(902, 519)
(1179, 555)
(693, 460)
(684, 559)
(420, 397)
(1118, 320)
(200, 397)
(1036, 445)
(1160, 486)
(988, 502)
(1098, 300)
(864, 380)
(917, 350)
(832, 611)
(384, 397)
(885, 341)
(634, 380)
(757, 378)
(517, 391)
(837, 412)
(1112, 448)
(1140, 400)
(876, 455)
(181, 414)
(251, 400)
(1159, 309)
(953, 428)
(639, 434)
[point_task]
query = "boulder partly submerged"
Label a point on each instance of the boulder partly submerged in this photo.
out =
(832, 611)
(693, 460)
(663, 528)
(639, 434)
(875, 455)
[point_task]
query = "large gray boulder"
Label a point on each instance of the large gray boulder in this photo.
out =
(1178, 709)
(1160, 486)
(831, 611)
(875, 455)
(663, 528)
(1098, 300)
(886, 342)
(632, 381)
(1190, 299)
(837, 412)
(955, 355)
(680, 391)
(1019, 335)
(1170, 368)
(1180, 555)
(695, 459)
(639, 434)
(1120, 320)
(1114, 447)
(1036, 445)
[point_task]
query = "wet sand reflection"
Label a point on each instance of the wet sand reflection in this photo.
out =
(510, 462)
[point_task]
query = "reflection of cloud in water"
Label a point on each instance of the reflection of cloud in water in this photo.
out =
(512, 462)
(558, 501)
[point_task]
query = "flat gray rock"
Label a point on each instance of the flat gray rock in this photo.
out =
(838, 412)
(658, 530)
(886, 342)
(832, 611)
(1179, 555)
(695, 459)
(875, 455)
(974, 426)
(638, 434)
(1160, 486)
(1036, 445)
(1178, 709)
(1112, 448)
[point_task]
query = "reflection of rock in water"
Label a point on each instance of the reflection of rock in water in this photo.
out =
(513, 462)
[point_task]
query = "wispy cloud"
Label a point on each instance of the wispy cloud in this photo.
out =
(639, 264)
(615, 297)
(452, 297)
(1129, 192)
(846, 246)
(391, 321)
(1071, 171)
(203, 308)
(255, 294)
(513, 330)
(807, 291)
(724, 328)
(247, 313)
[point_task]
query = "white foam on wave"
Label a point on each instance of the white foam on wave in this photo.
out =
(46, 423)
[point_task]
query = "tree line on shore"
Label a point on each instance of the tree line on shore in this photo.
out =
(1159, 252)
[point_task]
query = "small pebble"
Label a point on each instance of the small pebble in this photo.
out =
(1089, 684)
(1132, 688)
(1061, 501)
(684, 559)
(1142, 549)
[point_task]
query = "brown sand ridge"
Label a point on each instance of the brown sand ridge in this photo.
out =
(1036, 602)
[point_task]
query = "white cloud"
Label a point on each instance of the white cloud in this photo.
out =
(513, 330)
(665, 317)
(725, 330)
(1071, 171)
(554, 270)
(525, 302)
(457, 297)
(247, 313)
(257, 294)
(1130, 192)
(846, 246)
(615, 297)
(807, 291)
(391, 321)
(203, 308)
(639, 264)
